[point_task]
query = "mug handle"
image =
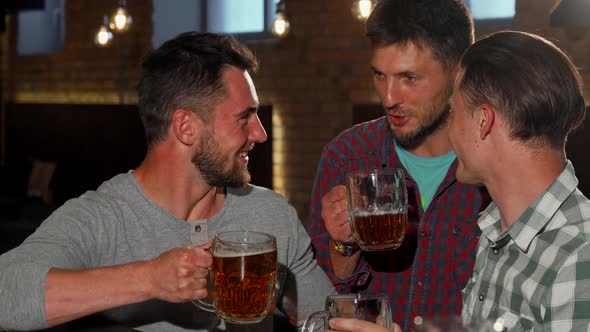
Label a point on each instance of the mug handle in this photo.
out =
(316, 322)
(202, 304)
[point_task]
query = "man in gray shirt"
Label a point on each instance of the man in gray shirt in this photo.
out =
(134, 249)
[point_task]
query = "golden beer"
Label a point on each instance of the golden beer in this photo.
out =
(379, 231)
(244, 285)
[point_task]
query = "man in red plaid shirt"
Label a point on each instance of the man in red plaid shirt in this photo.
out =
(416, 45)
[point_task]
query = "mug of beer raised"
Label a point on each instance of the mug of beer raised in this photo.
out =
(242, 276)
(378, 208)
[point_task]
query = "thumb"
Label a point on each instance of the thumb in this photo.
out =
(205, 246)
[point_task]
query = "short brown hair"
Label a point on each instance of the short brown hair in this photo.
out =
(444, 26)
(185, 72)
(528, 80)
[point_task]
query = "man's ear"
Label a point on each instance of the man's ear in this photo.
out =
(185, 126)
(487, 115)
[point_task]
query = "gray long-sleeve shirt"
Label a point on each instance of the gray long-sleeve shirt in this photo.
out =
(119, 224)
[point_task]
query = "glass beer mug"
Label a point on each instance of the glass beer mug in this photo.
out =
(378, 208)
(243, 276)
(369, 307)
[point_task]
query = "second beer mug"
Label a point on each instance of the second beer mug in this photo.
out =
(378, 208)
(243, 276)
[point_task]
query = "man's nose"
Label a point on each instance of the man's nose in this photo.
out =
(392, 95)
(257, 133)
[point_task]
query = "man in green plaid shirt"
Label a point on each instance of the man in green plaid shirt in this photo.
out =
(516, 99)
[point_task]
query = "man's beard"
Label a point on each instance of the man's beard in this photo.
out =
(212, 166)
(431, 124)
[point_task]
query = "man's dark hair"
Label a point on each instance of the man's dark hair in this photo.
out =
(444, 26)
(530, 82)
(186, 73)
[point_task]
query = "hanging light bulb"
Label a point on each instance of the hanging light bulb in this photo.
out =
(103, 36)
(280, 25)
(361, 9)
(121, 20)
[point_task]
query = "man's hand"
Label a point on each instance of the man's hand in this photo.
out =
(355, 325)
(180, 274)
(335, 214)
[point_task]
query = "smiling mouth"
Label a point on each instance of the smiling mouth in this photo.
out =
(244, 156)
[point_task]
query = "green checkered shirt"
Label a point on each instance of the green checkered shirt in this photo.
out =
(536, 274)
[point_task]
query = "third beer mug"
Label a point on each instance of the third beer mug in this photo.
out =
(372, 308)
(243, 276)
(378, 208)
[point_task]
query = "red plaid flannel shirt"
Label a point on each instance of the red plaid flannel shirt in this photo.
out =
(426, 275)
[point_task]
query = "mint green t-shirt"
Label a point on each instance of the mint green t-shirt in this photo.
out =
(427, 172)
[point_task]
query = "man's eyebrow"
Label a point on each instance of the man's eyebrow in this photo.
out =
(397, 74)
(248, 111)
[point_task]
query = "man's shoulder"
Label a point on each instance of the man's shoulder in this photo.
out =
(111, 192)
(362, 131)
(361, 138)
(572, 222)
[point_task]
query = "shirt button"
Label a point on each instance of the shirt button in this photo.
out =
(495, 251)
(198, 228)
(420, 284)
(423, 234)
(481, 297)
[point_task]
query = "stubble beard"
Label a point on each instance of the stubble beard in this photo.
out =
(435, 120)
(212, 167)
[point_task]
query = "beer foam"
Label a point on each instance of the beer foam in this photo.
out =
(229, 252)
(357, 213)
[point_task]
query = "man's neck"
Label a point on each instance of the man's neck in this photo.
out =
(177, 187)
(435, 145)
(521, 176)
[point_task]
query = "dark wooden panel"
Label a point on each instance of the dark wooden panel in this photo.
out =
(260, 162)
(91, 143)
(577, 151)
(366, 112)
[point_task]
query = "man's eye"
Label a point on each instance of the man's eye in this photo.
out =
(245, 118)
(411, 78)
(378, 75)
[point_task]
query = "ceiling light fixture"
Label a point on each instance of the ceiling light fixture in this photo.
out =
(280, 25)
(103, 36)
(121, 20)
(361, 9)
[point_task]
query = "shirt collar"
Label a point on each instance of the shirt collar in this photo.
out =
(535, 218)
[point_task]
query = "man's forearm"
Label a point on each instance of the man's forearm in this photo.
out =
(343, 266)
(71, 294)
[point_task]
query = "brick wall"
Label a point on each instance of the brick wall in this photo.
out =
(312, 78)
(84, 72)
